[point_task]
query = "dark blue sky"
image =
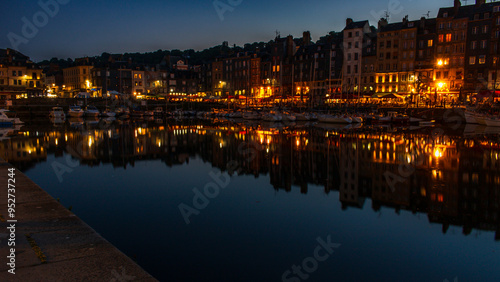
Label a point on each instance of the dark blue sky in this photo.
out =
(91, 27)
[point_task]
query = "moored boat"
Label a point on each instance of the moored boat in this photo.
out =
(302, 117)
(272, 117)
(334, 119)
(251, 115)
(492, 121)
(91, 111)
(286, 116)
(108, 113)
(57, 113)
(75, 111)
(470, 117)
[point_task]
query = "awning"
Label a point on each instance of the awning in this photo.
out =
(487, 94)
(386, 96)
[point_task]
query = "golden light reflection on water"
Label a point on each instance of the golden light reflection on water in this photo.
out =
(443, 172)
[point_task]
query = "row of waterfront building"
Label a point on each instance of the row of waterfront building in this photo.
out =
(453, 56)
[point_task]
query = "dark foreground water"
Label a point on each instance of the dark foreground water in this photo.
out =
(222, 201)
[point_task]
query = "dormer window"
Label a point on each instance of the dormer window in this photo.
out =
(445, 15)
(410, 24)
(496, 9)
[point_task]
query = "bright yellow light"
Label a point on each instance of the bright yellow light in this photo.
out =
(441, 84)
(440, 62)
(438, 153)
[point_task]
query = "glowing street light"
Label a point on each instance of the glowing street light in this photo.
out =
(440, 62)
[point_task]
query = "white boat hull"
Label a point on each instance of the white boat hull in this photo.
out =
(492, 122)
(75, 114)
(471, 118)
(334, 119)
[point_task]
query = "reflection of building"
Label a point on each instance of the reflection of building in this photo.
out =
(455, 180)
(349, 173)
(24, 151)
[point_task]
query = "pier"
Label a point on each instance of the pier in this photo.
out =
(52, 243)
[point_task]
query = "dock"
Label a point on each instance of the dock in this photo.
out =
(52, 243)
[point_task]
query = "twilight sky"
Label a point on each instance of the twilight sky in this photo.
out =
(88, 28)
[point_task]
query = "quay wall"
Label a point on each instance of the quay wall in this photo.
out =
(52, 243)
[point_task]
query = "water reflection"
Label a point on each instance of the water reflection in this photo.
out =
(454, 178)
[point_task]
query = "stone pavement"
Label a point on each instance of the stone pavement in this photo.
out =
(53, 244)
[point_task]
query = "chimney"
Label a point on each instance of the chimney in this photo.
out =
(422, 22)
(382, 22)
(289, 45)
(405, 19)
(306, 38)
(457, 6)
(348, 21)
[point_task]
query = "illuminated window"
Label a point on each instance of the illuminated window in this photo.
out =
(429, 43)
(441, 38)
(475, 178)
(482, 59)
(448, 37)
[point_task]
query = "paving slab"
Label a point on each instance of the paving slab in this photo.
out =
(52, 243)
